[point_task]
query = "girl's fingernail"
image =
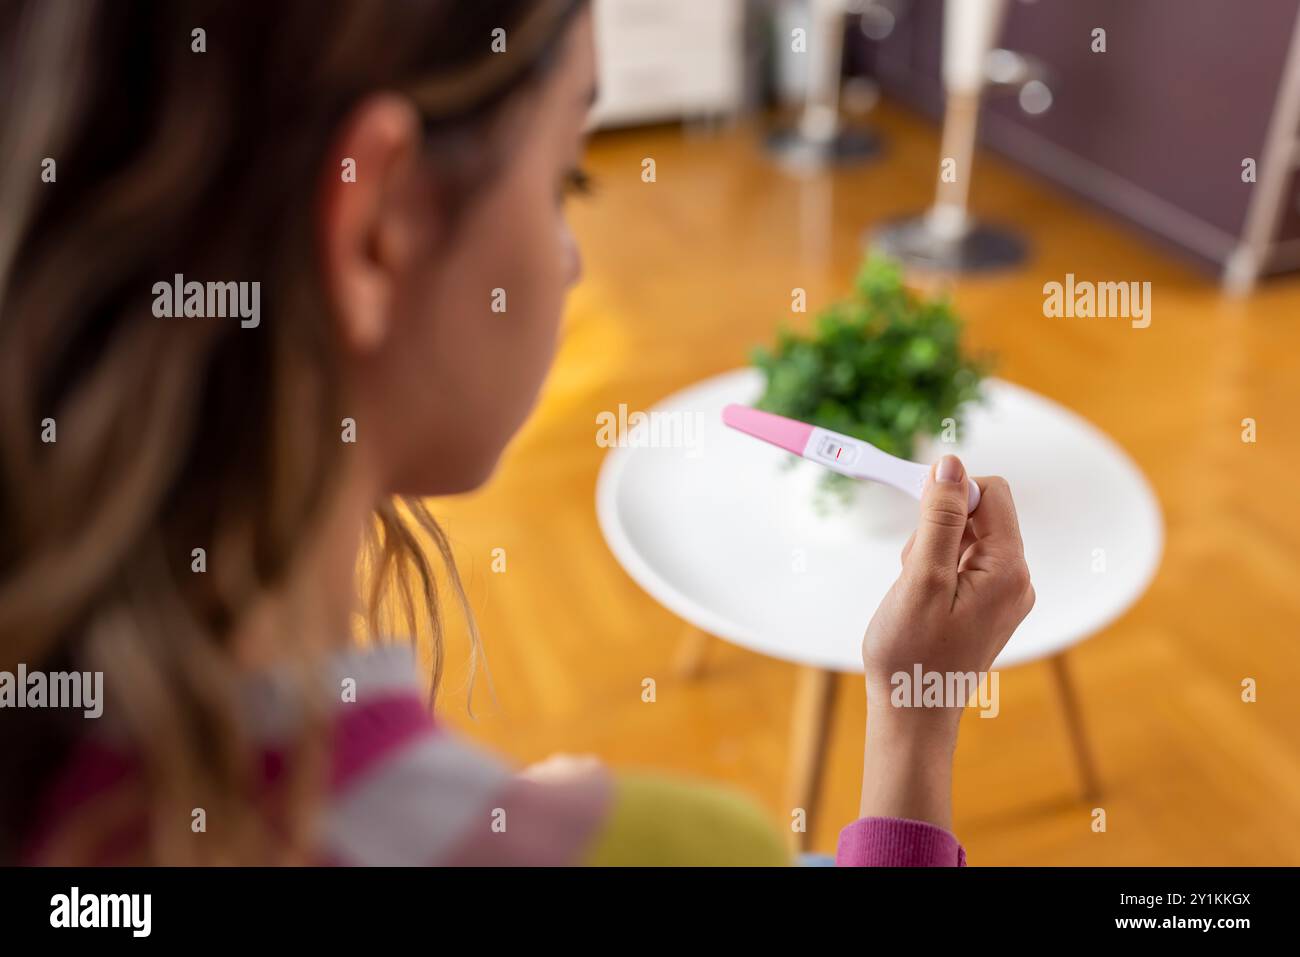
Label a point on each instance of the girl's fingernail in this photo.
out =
(950, 470)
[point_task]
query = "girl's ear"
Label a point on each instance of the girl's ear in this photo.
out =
(365, 229)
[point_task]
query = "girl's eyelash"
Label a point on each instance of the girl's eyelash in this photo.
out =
(577, 182)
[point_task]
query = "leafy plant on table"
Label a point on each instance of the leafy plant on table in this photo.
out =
(884, 365)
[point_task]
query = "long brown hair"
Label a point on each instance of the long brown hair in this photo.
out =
(131, 155)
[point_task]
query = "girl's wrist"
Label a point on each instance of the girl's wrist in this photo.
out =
(907, 763)
(907, 777)
(931, 730)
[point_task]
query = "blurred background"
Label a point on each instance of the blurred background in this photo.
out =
(1162, 149)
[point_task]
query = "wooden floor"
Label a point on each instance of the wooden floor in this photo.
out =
(683, 276)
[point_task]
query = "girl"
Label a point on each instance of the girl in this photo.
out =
(185, 497)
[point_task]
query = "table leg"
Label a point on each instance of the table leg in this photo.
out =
(1091, 788)
(688, 663)
(814, 699)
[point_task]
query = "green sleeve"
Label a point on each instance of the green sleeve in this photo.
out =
(661, 821)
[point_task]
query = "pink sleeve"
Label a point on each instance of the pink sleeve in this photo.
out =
(897, 842)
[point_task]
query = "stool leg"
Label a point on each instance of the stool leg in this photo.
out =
(814, 700)
(688, 663)
(1091, 787)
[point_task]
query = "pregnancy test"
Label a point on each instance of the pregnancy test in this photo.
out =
(839, 453)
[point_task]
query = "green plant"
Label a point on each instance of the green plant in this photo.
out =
(884, 365)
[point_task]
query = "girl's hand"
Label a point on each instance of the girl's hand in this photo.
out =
(963, 590)
(562, 767)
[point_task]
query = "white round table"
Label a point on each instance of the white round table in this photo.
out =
(720, 529)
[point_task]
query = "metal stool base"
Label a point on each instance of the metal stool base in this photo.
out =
(983, 249)
(845, 148)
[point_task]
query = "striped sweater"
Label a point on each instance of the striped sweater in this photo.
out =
(405, 791)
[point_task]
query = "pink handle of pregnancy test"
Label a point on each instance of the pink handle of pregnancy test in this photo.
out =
(776, 429)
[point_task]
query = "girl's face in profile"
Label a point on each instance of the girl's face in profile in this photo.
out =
(452, 329)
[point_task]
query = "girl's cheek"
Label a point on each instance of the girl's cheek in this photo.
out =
(571, 257)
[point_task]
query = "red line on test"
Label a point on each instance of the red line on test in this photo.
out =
(838, 451)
